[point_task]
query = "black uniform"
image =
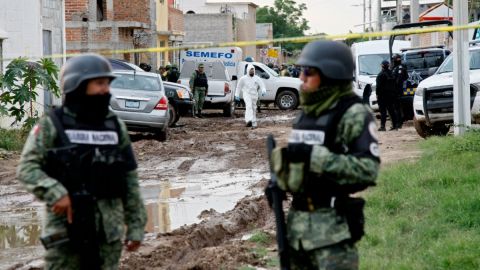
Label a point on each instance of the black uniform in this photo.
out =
(386, 96)
(401, 75)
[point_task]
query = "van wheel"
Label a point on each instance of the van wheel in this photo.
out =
(161, 135)
(425, 131)
(287, 100)
(229, 109)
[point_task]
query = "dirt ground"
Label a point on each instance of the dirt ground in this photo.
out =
(203, 191)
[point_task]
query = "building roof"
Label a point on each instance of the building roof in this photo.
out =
(437, 13)
(239, 2)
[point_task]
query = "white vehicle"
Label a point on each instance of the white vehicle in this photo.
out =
(283, 91)
(368, 57)
(433, 101)
(221, 89)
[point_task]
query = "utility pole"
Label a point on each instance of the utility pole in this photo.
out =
(364, 16)
(414, 13)
(461, 75)
(379, 15)
(399, 12)
(370, 14)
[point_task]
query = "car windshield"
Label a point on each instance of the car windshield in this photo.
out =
(370, 64)
(136, 82)
(423, 60)
(474, 62)
(271, 71)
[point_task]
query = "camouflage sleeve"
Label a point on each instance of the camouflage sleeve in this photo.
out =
(192, 80)
(29, 170)
(360, 164)
(135, 213)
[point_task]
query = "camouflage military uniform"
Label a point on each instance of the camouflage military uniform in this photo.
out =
(318, 236)
(199, 86)
(111, 215)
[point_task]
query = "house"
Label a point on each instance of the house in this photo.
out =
(104, 25)
(33, 29)
(170, 31)
(211, 21)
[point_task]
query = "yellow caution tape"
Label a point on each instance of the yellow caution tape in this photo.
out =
(303, 39)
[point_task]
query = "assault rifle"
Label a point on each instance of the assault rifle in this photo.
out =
(275, 197)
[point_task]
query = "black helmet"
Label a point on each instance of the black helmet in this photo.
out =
(82, 68)
(385, 63)
(332, 58)
(395, 56)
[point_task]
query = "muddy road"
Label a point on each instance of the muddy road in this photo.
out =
(202, 189)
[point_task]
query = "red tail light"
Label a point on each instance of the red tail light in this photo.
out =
(162, 104)
(226, 88)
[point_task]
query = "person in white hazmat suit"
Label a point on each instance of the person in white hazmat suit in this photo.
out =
(249, 86)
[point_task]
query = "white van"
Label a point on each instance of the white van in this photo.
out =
(283, 91)
(368, 56)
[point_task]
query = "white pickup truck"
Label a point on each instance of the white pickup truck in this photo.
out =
(221, 89)
(433, 100)
(283, 91)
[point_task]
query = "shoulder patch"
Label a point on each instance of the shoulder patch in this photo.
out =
(372, 128)
(374, 149)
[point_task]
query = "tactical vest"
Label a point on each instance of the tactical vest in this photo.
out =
(200, 80)
(322, 130)
(87, 157)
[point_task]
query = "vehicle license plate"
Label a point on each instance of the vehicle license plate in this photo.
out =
(132, 104)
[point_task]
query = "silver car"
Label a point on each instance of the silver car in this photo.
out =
(139, 99)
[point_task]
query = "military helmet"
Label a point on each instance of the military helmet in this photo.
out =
(82, 68)
(332, 58)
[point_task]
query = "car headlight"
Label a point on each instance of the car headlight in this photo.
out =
(419, 91)
(182, 93)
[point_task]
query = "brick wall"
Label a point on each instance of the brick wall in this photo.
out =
(76, 9)
(176, 21)
(131, 10)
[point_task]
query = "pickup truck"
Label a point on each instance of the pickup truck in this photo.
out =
(433, 100)
(220, 86)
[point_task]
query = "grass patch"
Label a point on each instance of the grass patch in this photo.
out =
(426, 215)
(12, 139)
(261, 238)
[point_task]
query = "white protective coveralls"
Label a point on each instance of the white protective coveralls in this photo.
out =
(248, 86)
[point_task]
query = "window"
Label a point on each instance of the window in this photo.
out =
(101, 10)
(136, 82)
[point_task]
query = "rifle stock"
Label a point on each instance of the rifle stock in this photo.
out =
(277, 196)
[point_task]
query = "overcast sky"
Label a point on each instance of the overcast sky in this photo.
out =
(331, 16)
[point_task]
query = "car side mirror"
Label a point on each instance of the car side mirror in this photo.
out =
(432, 71)
(234, 78)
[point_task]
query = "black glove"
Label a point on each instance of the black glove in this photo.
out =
(299, 152)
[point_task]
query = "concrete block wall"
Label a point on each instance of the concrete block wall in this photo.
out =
(208, 28)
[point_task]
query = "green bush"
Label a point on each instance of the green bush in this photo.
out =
(12, 139)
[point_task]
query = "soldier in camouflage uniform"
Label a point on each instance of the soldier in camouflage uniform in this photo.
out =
(332, 153)
(82, 150)
(199, 86)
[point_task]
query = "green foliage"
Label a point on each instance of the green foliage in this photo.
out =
(261, 238)
(19, 82)
(425, 215)
(13, 139)
(287, 19)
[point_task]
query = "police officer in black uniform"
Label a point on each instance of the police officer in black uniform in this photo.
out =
(386, 96)
(400, 74)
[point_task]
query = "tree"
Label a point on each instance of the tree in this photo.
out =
(18, 85)
(287, 19)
